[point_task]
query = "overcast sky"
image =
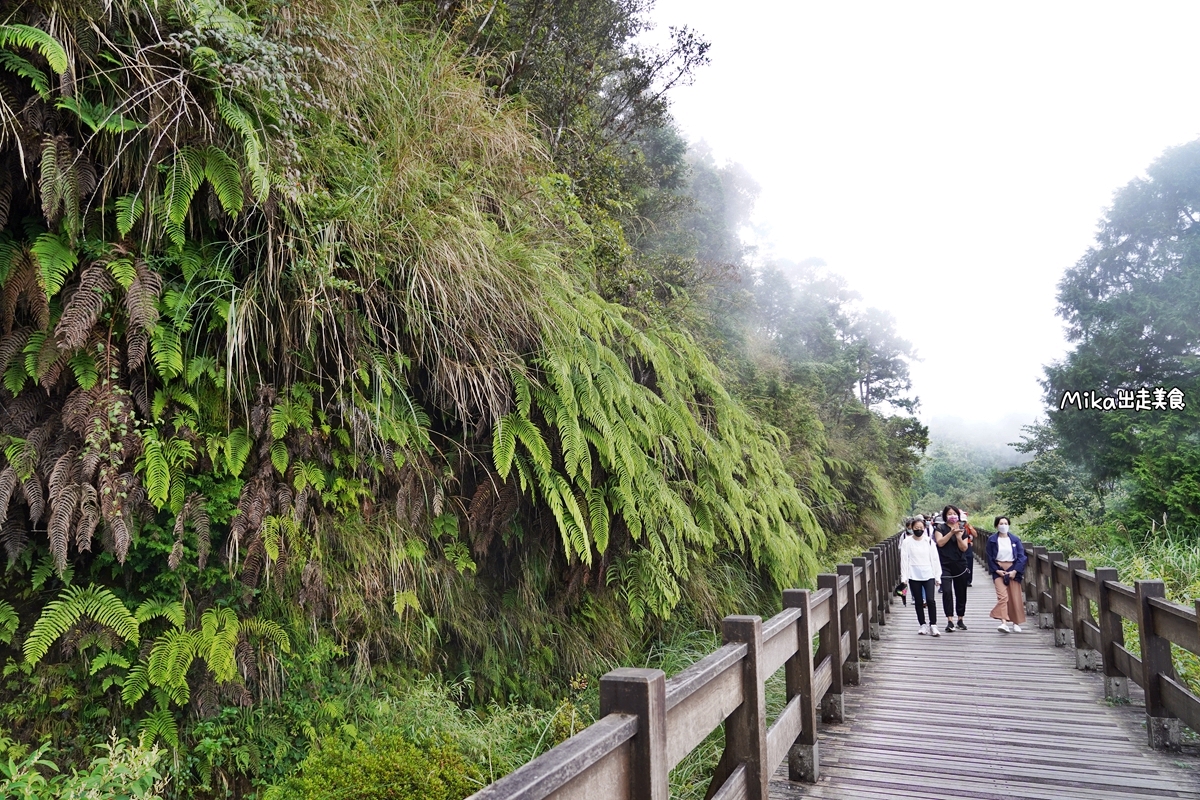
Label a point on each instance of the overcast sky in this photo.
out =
(949, 159)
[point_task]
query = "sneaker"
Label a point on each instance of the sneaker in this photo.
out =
(949, 627)
(960, 626)
(1003, 628)
(935, 631)
(923, 630)
(1016, 628)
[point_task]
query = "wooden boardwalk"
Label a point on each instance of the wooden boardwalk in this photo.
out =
(984, 715)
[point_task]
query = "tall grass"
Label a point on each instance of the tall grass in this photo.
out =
(1161, 553)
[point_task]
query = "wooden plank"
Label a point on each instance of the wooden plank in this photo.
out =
(1063, 740)
(822, 678)
(845, 645)
(700, 698)
(593, 763)
(608, 778)
(1123, 600)
(1176, 623)
(1091, 634)
(1087, 585)
(779, 639)
(820, 609)
(734, 788)
(1129, 664)
(783, 733)
(1180, 702)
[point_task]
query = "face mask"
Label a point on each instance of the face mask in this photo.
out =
(953, 518)
(918, 531)
(1002, 528)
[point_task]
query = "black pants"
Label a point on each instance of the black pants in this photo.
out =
(923, 592)
(954, 594)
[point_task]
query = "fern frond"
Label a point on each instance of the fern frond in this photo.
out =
(240, 122)
(136, 684)
(269, 630)
(141, 297)
(237, 450)
(32, 38)
(160, 724)
(8, 622)
(95, 603)
(129, 211)
(170, 610)
(154, 468)
(183, 179)
(56, 259)
(223, 175)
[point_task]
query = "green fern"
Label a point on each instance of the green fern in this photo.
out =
(56, 259)
(154, 468)
(267, 629)
(160, 724)
(129, 211)
(223, 175)
(98, 116)
(84, 368)
(219, 635)
(123, 270)
(136, 684)
(97, 604)
(240, 122)
(166, 350)
(21, 66)
(32, 38)
(184, 174)
(8, 622)
(170, 610)
(237, 450)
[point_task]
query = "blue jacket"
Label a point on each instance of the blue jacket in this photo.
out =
(1019, 557)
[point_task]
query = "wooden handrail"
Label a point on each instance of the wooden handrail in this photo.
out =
(649, 724)
(1055, 586)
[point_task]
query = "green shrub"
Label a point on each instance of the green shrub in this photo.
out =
(385, 767)
(125, 772)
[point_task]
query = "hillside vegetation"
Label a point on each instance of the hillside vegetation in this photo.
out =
(375, 376)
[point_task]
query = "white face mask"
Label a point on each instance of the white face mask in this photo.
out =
(1002, 528)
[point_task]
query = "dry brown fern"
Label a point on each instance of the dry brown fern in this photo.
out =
(84, 307)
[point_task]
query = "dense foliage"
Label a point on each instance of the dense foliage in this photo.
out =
(345, 343)
(1130, 307)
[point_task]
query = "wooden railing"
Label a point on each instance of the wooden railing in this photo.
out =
(649, 723)
(1054, 586)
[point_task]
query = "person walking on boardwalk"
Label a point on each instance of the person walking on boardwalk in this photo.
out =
(922, 569)
(1006, 564)
(954, 552)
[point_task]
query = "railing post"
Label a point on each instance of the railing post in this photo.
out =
(1163, 728)
(1058, 599)
(746, 727)
(833, 708)
(862, 607)
(882, 590)
(1081, 612)
(1044, 619)
(1032, 598)
(852, 673)
(1116, 684)
(643, 693)
(804, 761)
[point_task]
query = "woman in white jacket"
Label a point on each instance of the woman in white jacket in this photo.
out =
(921, 567)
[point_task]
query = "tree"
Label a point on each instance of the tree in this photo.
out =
(1130, 306)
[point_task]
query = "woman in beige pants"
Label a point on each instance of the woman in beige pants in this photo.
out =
(1006, 562)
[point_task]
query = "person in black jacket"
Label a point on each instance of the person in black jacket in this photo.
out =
(954, 550)
(1006, 563)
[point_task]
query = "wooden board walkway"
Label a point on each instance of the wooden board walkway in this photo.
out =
(984, 715)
